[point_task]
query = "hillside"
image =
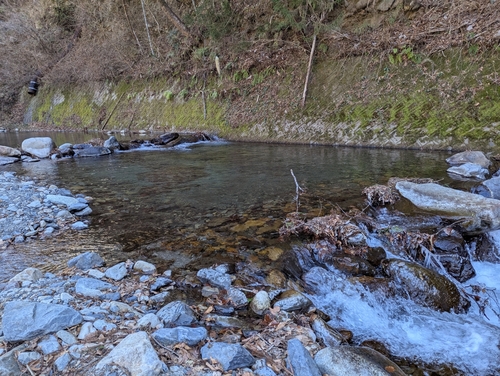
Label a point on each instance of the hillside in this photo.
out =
(411, 73)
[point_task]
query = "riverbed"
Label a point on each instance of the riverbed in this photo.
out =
(212, 202)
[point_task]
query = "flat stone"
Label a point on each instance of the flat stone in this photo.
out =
(8, 160)
(6, 151)
(62, 200)
(300, 360)
(26, 357)
(229, 355)
(87, 260)
(93, 288)
(180, 334)
(177, 314)
(22, 321)
(145, 267)
(49, 345)
(117, 272)
(214, 277)
(28, 274)
(292, 301)
(470, 156)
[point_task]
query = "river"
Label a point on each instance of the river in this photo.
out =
(211, 202)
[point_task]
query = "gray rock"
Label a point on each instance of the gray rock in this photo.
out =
(328, 335)
(66, 337)
(93, 288)
(359, 361)
(159, 283)
(6, 151)
(86, 330)
(49, 345)
(39, 147)
(145, 267)
(214, 277)
(23, 321)
(489, 188)
(159, 298)
(62, 362)
(476, 157)
(180, 334)
(79, 225)
(225, 321)
(229, 355)
(300, 361)
(149, 321)
(261, 368)
(482, 214)
(62, 200)
(177, 314)
(292, 300)
(237, 297)
(94, 273)
(8, 362)
(117, 272)
(28, 274)
(469, 170)
(8, 160)
(84, 212)
(77, 206)
(27, 357)
(87, 260)
(135, 354)
(260, 302)
(92, 151)
(104, 326)
(112, 144)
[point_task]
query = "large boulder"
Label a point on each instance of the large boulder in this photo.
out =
(39, 147)
(489, 188)
(468, 170)
(470, 156)
(478, 214)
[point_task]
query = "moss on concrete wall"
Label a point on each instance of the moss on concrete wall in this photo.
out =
(445, 101)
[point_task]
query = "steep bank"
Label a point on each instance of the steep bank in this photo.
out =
(392, 73)
(447, 101)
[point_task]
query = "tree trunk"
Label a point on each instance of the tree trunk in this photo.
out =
(309, 68)
(176, 20)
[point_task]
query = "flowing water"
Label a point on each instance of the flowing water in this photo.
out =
(210, 202)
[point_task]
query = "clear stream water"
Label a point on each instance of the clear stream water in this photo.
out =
(208, 202)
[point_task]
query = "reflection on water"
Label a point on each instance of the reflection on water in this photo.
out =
(202, 199)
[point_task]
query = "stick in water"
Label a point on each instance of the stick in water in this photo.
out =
(298, 189)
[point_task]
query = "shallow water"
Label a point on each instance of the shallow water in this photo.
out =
(207, 203)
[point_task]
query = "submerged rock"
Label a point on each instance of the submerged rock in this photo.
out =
(425, 286)
(359, 361)
(469, 170)
(480, 214)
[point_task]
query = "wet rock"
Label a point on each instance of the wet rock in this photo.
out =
(180, 334)
(230, 356)
(117, 272)
(8, 160)
(112, 144)
(292, 300)
(484, 247)
(300, 361)
(489, 188)
(87, 260)
(6, 151)
(329, 336)
(39, 147)
(482, 214)
(62, 200)
(28, 274)
(359, 361)
(92, 151)
(449, 246)
(177, 314)
(214, 277)
(276, 278)
(260, 302)
(469, 170)
(135, 354)
(23, 320)
(353, 265)
(93, 288)
(425, 286)
(470, 156)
